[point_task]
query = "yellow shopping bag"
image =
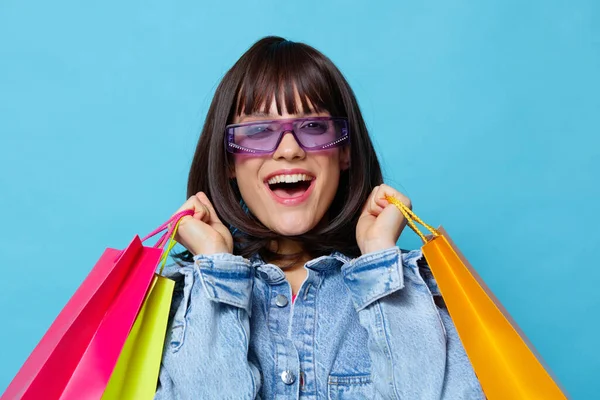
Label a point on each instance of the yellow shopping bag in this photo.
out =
(136, 374)
(503, 359)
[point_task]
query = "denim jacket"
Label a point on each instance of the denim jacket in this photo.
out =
(364, 328)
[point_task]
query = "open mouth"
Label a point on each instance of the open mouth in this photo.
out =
(290, 186)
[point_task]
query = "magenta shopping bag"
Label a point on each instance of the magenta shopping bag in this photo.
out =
(76, 356)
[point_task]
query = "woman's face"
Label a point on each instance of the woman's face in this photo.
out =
(295, 207)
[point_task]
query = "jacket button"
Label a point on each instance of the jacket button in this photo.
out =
(281, 300)
(288, 377)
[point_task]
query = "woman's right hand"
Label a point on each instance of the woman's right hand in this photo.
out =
(203, 233)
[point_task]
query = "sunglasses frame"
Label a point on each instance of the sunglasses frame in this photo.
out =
(288, 126)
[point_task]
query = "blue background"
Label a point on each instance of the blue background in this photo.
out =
(485, 113)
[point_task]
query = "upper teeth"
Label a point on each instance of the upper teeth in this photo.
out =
(293, 178)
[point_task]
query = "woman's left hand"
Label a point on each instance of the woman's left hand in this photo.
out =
(380, 223)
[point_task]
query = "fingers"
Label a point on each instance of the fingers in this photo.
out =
(203, 232)
(213, 219)
(200, 210)
(377, 202)
(371, 207)
(385, 190)
(212, 216)
(380, 223)
(391, 219)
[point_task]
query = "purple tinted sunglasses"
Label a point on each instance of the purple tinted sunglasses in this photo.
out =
(263, 137)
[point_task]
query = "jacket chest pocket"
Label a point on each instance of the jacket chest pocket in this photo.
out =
(350, 387)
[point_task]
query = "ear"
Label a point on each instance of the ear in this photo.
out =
(344, 158)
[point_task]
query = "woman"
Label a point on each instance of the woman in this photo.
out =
(292, 286)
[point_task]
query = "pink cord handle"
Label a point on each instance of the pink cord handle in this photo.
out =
(175, 218)
(172, 225)
(169, 225)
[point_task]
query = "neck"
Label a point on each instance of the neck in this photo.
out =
(288, 253)
(290, 256)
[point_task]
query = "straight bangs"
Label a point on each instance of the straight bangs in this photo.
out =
(292, 74)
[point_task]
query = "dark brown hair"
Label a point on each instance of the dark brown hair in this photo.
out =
(276, 68)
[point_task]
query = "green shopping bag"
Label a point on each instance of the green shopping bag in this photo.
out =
(136, 373)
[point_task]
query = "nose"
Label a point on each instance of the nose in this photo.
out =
(289, 148)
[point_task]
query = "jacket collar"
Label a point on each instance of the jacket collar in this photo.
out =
(275, 274)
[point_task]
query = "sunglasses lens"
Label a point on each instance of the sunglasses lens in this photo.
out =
(315, 134)
(260, 137)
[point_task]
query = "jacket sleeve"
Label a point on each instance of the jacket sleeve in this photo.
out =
(206, 348)
(415, 350)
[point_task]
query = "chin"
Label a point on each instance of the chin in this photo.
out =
(287, 230)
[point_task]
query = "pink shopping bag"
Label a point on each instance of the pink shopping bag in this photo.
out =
(76, 356)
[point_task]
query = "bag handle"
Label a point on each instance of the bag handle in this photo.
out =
(167, 225)
(172, 243)
(411, 218)
(169, 233)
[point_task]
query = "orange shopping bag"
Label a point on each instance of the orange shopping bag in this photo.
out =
(503, 359)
